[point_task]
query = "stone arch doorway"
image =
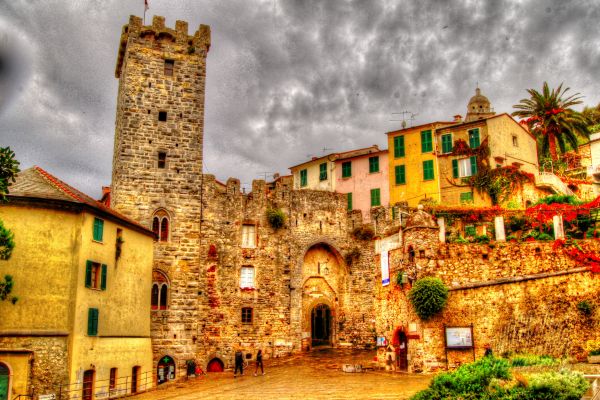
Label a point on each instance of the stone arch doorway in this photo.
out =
(215, 365)
(4, 382)
(321, 326)
(165, 370)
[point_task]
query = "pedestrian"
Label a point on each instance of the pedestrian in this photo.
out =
(239, 361)
(259, 361)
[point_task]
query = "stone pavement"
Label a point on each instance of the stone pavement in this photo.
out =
(314, 375)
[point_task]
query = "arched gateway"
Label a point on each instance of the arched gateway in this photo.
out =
(323, 278)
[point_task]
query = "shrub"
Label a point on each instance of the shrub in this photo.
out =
(481, 239)
(545, 236)
(276, 217)
(563, 385)
(428, 296)
(363, 233)
(560, 199)
(460, 240)
(525, 360)
(516, 223)
(586, 308)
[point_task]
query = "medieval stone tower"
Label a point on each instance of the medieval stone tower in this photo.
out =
(157, 167)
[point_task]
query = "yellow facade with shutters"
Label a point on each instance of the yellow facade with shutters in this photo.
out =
(44, 337)
(419, 185)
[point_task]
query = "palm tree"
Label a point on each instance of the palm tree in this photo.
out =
(550, 118)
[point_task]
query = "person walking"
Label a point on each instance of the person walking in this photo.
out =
(239, 362)
(259, 361)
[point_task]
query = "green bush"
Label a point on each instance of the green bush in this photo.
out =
(560, 199)
(428, 296)
(586, 308)
(525, 360)
(594, 352)
(481, 239)
(564, 385)
(460, 240)
(276, 217)
(516, 223)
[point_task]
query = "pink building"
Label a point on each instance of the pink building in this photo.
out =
(363, 175)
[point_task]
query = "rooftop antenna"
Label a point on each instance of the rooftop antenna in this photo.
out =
(403, 117)
(265, 174)
(326, 149)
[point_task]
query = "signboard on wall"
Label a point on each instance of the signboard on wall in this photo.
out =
(385, 268)
(381, 341)
(459, 337)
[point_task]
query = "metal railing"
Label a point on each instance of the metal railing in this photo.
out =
(101, 388)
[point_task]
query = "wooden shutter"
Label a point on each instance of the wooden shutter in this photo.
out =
(103, 278)
(349, 199)
(455, 168)
(399, 146)
(92, 322)
(473, 165)
(88, 274)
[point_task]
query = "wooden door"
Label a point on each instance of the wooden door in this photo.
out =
(88, 385)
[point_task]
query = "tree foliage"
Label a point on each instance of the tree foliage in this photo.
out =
(428, 296)
(9, 168)
(276, 218)
(549, 116)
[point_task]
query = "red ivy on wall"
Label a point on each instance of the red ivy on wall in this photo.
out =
(579, 255)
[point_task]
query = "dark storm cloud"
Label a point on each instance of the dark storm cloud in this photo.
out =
(288, 78)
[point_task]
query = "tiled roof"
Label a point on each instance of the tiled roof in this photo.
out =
(37, 183)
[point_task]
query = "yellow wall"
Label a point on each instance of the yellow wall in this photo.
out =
(18, 364)
(501, 130)
(314, 183)
(415, 188)
(124, 307)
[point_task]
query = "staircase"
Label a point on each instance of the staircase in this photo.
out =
(547, 180)
(594, 391)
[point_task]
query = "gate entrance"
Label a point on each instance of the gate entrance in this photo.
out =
(321, 325)
(215, 365)
(402, 355)
(166, 369)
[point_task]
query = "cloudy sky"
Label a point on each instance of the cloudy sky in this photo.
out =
(285, 79)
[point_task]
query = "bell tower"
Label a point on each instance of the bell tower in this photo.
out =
(157, 167)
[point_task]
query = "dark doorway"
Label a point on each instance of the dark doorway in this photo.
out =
(88, 385)
(165, 370)
(4, 381)
(402, 355)
(321, 325)
(135, 379)
(215, 365)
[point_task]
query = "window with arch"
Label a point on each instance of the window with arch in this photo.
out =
(161, 226)
(160, 291)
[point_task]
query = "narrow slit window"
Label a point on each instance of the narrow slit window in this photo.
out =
(162, 116)
(169, 67)
(162, 159)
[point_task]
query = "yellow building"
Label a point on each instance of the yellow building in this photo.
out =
(82, 274)
(509, 145)
(413, 169)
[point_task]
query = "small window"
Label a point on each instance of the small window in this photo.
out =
(162, 159)
(303, 178)
(373, 164)
(375, 197)
(169, 66)
(247, 277)
(447, 143)
(92, 322)
(160, 291)
(474, 138)
(95, 275)
(466, 197)
(162, 116)
(161, 226)
(426, 142)
(247, 315)
(515, 141)
(399, 147)
(98, 229)
(428, 170)
(112, 382)
(400, 173)
(349, 201)
(248, 236)
(464, 167)
(347, 169)
(323, 171)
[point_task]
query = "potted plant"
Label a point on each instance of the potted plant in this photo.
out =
(593, 348)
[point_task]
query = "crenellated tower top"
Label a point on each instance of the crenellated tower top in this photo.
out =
(160, 37)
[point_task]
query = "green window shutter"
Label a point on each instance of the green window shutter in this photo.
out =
(447, 143)
(466, 197)
(373, 164)
(323, 171)
(455, 168)
(88, 274)
(473, 165)
(303, 177)
(98, 229)
(400, 171)
(103, 278)
(428, 170)
(399, 146)
(393, 213)
(375, 197)
(474, 138)
(347, 169)
(349, 199)
(92, 322)
(426, 142)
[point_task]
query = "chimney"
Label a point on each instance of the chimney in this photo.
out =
(458, 118)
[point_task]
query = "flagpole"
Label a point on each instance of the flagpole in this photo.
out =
(145, 9)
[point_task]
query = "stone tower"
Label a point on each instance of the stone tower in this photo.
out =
(157, 168)
(479, 107)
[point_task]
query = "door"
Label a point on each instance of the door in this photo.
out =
(402, 351)
(88, 385)
(166, 369)
(215, 365)
(321, 325)
(4, 381)
(135, 379)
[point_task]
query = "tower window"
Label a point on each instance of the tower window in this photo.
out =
(169, 66)
(162, 116)
(160, 226)
(162, 159)
(515, 141)
(247, 315)
(160, 291)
